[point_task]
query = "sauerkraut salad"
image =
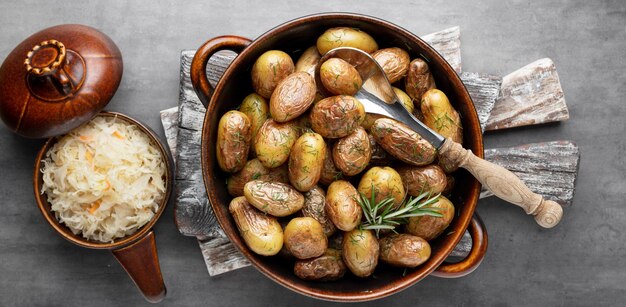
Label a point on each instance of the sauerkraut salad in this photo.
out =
(105, 179)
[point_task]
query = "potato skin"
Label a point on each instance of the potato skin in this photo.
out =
(352, 153)
(341, 205)
(337, 116)
(275, 198)
(306, 161)
(440, 116)
(269, 69)
(314, 203)
(421, 179)
(262, 233)
(394, 61)
(418, 80)
(330, 172)
(254, 170)
(430, 227)
(450, 182)
(385, 181)
(339, 77)
(360, 252)
(308, 61)
(402, 142)
(304, 238)
(403, 250)
(379, 155)
(233, 141)
(327, 267)
(274, 141)
(345, 37)
(292, 97)
(405, 100)
(255, 107)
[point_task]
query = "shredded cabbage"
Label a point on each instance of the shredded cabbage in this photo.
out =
(104, 179)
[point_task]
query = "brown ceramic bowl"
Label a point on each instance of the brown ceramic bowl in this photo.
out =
(294, 37)
(137, 252)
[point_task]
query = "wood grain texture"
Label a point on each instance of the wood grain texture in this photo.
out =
(504, 184)
(169, 120)
(531, 95)
(548, 168)
(484, 90)
(448, 44)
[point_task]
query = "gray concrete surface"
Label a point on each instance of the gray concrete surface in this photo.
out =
(581, 262)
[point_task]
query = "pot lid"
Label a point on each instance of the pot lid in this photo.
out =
(58, 79)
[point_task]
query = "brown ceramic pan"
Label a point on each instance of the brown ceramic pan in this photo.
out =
(294, 37)
(136, 253)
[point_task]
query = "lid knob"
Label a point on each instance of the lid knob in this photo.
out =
(45, 58)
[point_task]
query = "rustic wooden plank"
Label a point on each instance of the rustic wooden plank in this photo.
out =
(549, 168)
(221, 256)
(531, 95)
(448, 44)
(169, 120)
(484, 90)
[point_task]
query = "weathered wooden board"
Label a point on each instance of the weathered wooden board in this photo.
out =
(169, 119)
(484, 90)
(549, 169)
(448, 44)
(531, 95)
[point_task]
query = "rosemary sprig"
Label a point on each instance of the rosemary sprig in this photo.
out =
(383, 215)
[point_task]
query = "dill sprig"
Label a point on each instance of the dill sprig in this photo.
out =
(384, 215)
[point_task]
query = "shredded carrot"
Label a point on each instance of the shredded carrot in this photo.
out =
(85, 138)
(95, 206)
(118, 135)
(108, 185)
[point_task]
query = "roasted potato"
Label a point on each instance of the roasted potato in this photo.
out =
(254, 170)
(379, 155)
(330, 172)
(450, 181)
(369, 120)
(345, 37)
(405, 100)
(255, 107)
(341, 205)
(274, 141)
(423, 179)
(233, 141)
(385, 182)
(306, 161)
(327, 267)
(339, 77)
(261, 233)
(308, 61)
(292, 97)
(275, 198)
(360, 252)
(404, 250)
(352, 153)
(314, 203)
(418, 80)
(305, 238)
(337, 116)
(269, 69)
(429, 227)
(440, 116)
(394, 61)
(402, 142)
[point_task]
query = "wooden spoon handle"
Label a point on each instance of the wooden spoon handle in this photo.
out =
(504, 184)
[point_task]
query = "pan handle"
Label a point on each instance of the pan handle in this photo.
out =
(141, 262)
(199, 79)
(478, 232)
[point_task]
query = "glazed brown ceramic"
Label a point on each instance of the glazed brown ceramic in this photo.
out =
(137, 252)
(57, 79)
(294, 37)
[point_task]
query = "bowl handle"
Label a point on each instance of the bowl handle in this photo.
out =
(199, 79)
(478, 232)
(141, 262)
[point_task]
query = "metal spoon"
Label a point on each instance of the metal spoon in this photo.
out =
(377, 96)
